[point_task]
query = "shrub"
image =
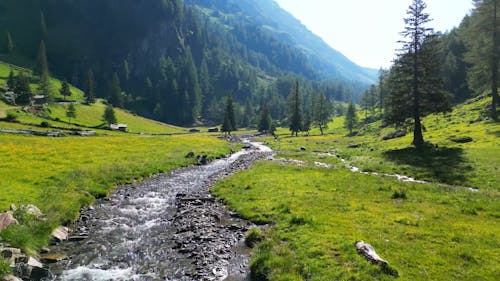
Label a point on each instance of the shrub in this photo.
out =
(44, 124)
(4, 268)
(399, 194)
(11, 117)
(253, 237)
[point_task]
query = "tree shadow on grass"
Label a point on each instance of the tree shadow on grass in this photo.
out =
(446, 165)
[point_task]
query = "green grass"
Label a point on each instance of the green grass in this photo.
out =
(54, 84)
(59, 175)
(425, 231)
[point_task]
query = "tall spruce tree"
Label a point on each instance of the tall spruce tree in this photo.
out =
(115, 91)
(41, 67)
(295, 110)
(89, 88)
(484, 50)
(43, 26)
(322, 113)
(418, 87)
(229, 122)
(351, 119)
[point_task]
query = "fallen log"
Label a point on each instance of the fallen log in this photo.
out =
(371, 255)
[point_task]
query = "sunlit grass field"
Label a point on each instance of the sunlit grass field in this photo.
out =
(59, 175)
(432, 232)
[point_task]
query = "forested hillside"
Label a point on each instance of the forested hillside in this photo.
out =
(163, 59)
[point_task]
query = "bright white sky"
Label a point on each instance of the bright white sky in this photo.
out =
(367, 31)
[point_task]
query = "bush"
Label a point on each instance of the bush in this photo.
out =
(399, 194)
(4, 268)
(11, 117)
(44, 124)
(253, 237)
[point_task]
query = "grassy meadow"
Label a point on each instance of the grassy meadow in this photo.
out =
(59, 175)
(436, 231)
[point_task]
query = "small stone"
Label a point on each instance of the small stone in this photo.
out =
(10, 278)
(61, 233)
(6, 220)
(32, 210)
(53, 258)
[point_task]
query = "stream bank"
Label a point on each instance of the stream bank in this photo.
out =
(168, 227)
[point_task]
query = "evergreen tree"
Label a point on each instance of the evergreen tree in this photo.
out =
(126, 70)
(484, 50)
(89, 88)
(9, 44)
(418, 86)
(265, 120)
(65, 90)
(71, 112)
(11, 81)
(41, 66)
(351, 119)
(109, 115)
(229, 123)
(22, 89)
(115, 92)
(295, 114)
(322, 113)
(44, 85)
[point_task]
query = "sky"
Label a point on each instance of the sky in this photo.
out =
(367, 31)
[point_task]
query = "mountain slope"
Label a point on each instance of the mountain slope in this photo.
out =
(268, 16)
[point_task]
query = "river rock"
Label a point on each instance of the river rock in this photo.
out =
(10, 278)
(32, 210)
(6, 220)
(52, 258)
(61, 233)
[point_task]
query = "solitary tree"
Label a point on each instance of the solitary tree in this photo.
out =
(351, 119)
(71, 112)
(322, 113)
(417, 88)
(89, 88)
(295, 114)
(109, 115)
(229, 123)
(484, 50)
(65, 90)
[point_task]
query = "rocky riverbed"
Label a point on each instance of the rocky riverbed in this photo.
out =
(168, 227)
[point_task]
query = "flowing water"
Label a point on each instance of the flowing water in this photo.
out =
(165, 228)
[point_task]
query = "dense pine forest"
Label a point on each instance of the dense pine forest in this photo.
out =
(163, 59)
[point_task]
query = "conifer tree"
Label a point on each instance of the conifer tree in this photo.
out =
(322, 113)
(229, 123)
(65, 90)
(265, 120)
(71, 112)
(295, 114)
(109, 115)
(417, 87)
(41, 66)
(115, 91)
(44, 85)
(89, 88)
(351, 119)
(43, 26)
(484, 50)
(22, 89)
(11, 81)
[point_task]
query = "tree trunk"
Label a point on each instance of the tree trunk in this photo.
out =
(418, 137)
(494, 69)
